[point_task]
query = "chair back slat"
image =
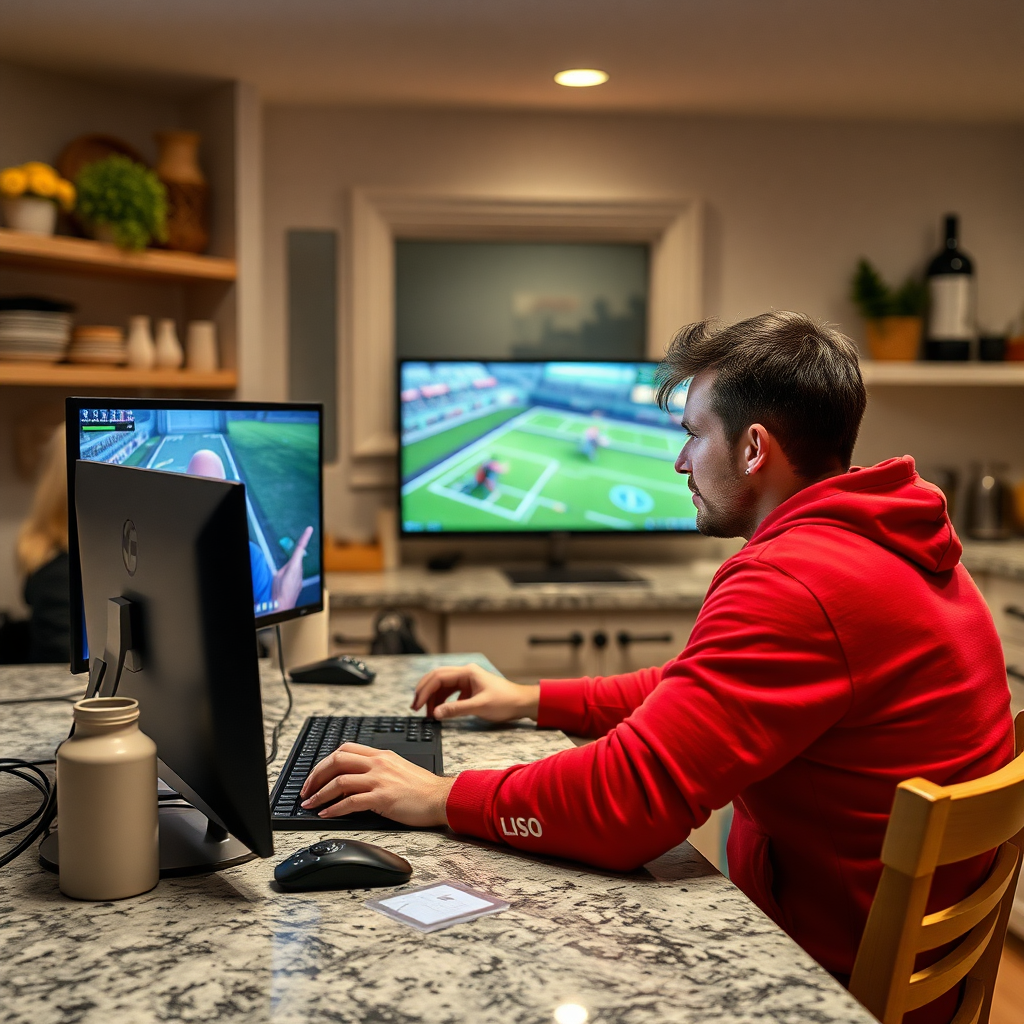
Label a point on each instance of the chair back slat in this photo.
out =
(981, 819)
(946, 925)
(971, 1004)
(931, 825)
(931, 982)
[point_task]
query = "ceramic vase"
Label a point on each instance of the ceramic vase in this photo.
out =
(140, 348)
(201, 346)
(30, 214)
(188, 227)
(169, 354)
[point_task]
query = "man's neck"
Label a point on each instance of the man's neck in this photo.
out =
(779, 490)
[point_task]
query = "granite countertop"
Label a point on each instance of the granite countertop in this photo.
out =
(998, 557)
(481, 588)
(674, 942)
(675, 586)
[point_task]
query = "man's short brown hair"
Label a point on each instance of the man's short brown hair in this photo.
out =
(799, 379)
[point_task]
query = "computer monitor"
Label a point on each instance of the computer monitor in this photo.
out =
(168, 593)
(512, 447)
(273, 448)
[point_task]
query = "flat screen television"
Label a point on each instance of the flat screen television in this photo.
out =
(556, 447)
(273, 448)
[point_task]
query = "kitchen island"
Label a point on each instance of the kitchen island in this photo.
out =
(675, 941)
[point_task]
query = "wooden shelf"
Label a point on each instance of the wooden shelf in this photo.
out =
(70, 375)
(943, 374)
(82, 256)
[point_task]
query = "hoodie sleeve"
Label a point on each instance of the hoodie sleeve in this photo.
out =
(590, 707)
(761, 678)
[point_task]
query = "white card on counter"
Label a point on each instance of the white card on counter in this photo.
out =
(429, 908)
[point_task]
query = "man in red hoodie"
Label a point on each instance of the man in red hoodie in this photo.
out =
(842, 650)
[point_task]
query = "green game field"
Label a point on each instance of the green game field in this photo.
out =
(550, 483)
(279, 463)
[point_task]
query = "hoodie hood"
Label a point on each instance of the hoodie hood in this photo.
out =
(889, 504)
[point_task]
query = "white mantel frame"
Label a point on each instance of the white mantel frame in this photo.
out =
(672, 228)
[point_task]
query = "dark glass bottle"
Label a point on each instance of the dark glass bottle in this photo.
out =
(951, 322)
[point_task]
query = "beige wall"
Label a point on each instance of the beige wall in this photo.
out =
(790, 207)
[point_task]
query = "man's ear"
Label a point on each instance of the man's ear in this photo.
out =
(757, 445)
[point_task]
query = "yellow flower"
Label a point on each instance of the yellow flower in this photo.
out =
(42, 180)
(13, 181)
(35, 165)
(66, 194)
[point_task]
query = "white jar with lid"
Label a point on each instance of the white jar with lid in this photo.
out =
(107, 820)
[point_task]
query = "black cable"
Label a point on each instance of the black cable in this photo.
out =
(42, 700)
(16, 767)
(276, 734)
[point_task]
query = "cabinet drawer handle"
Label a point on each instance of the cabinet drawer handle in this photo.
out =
(1015, 673)
(1014, 611)
(600, 639)
(625, 639)
(573, 640)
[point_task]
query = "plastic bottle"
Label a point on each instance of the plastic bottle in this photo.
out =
(107, 824)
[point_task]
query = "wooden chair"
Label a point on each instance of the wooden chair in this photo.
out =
(930, 826)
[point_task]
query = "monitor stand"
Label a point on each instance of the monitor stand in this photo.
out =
(190, 844)
(556, 570)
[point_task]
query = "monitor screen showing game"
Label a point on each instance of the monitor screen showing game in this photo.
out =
(273, 449)
(508, 447)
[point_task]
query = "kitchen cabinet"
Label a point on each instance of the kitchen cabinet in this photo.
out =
(1005, 597)
(527, 647)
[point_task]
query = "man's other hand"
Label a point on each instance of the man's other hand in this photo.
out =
(481, 693)
(287, 583)
(363, 778)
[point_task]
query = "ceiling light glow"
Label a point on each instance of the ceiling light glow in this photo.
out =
(581, 78)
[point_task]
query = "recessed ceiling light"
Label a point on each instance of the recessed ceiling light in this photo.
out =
(580, 78)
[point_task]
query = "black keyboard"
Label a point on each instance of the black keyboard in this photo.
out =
(416, 739)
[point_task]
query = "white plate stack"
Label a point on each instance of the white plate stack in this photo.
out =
(34, 329)
(97, 344)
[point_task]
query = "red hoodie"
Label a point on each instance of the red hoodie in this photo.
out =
(843, 650)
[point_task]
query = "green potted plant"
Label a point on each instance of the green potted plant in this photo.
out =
(122, 201)
(894, 317)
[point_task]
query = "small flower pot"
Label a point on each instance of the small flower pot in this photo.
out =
(895, 337)
(30, 214)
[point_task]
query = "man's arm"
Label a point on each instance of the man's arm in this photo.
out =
(762, 677)
(590, 707)
(585, 707)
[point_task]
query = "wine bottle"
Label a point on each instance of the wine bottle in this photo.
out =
(951, 324)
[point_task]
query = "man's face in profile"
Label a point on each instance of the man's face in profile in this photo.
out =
(722, 495)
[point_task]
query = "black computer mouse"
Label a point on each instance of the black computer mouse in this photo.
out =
(343, 670)
(341, 864)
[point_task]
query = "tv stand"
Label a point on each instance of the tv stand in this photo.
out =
(190, 844)
(557, 571)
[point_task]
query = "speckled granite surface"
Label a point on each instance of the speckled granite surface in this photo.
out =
(675, 942)
(479, 588)
(998, 557)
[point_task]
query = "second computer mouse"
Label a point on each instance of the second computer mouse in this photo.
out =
(343, 670)
(341, 864)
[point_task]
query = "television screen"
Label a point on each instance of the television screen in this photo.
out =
(273, 449)
(499, 447)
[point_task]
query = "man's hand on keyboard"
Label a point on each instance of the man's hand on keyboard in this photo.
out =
(361, 778)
